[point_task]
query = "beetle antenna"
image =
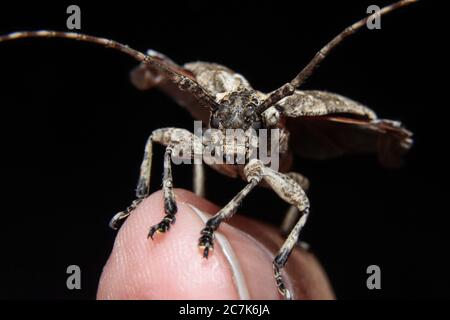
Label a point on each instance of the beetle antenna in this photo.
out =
(289, 88)
(183, 82)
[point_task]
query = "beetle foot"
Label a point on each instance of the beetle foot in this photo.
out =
(280, 283)
(163, 226)
(119, 218)
(206, 241)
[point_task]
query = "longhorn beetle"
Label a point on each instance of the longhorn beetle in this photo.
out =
(317, 123)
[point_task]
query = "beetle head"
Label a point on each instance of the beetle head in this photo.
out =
(237, 110)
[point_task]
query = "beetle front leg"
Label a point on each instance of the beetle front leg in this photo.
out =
(292, 214)
(166, 136)
(283, 254)
(253, 172)
(291, 192)
(170, 205)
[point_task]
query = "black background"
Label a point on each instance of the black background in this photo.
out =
(74, 128)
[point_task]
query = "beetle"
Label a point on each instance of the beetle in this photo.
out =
(314, 124)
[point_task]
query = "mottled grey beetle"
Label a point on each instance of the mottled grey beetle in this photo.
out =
(317, 123)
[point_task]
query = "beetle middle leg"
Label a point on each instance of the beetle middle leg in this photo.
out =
(142, 189)
(170, 137)
(198, 182)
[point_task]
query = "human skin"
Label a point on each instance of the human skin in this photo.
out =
(171, 266)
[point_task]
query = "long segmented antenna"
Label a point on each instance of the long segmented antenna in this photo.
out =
(183, 82)
(289, 88)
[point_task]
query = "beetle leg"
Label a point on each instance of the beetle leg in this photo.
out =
(180, 144)
(253, 172)
(291, 192)
(169, 137)
(170, 205)
(283, 254)
(291, 216)
(199, 179)
(142, 189)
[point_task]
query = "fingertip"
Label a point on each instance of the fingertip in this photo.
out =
(168, 267)
(171, 266)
